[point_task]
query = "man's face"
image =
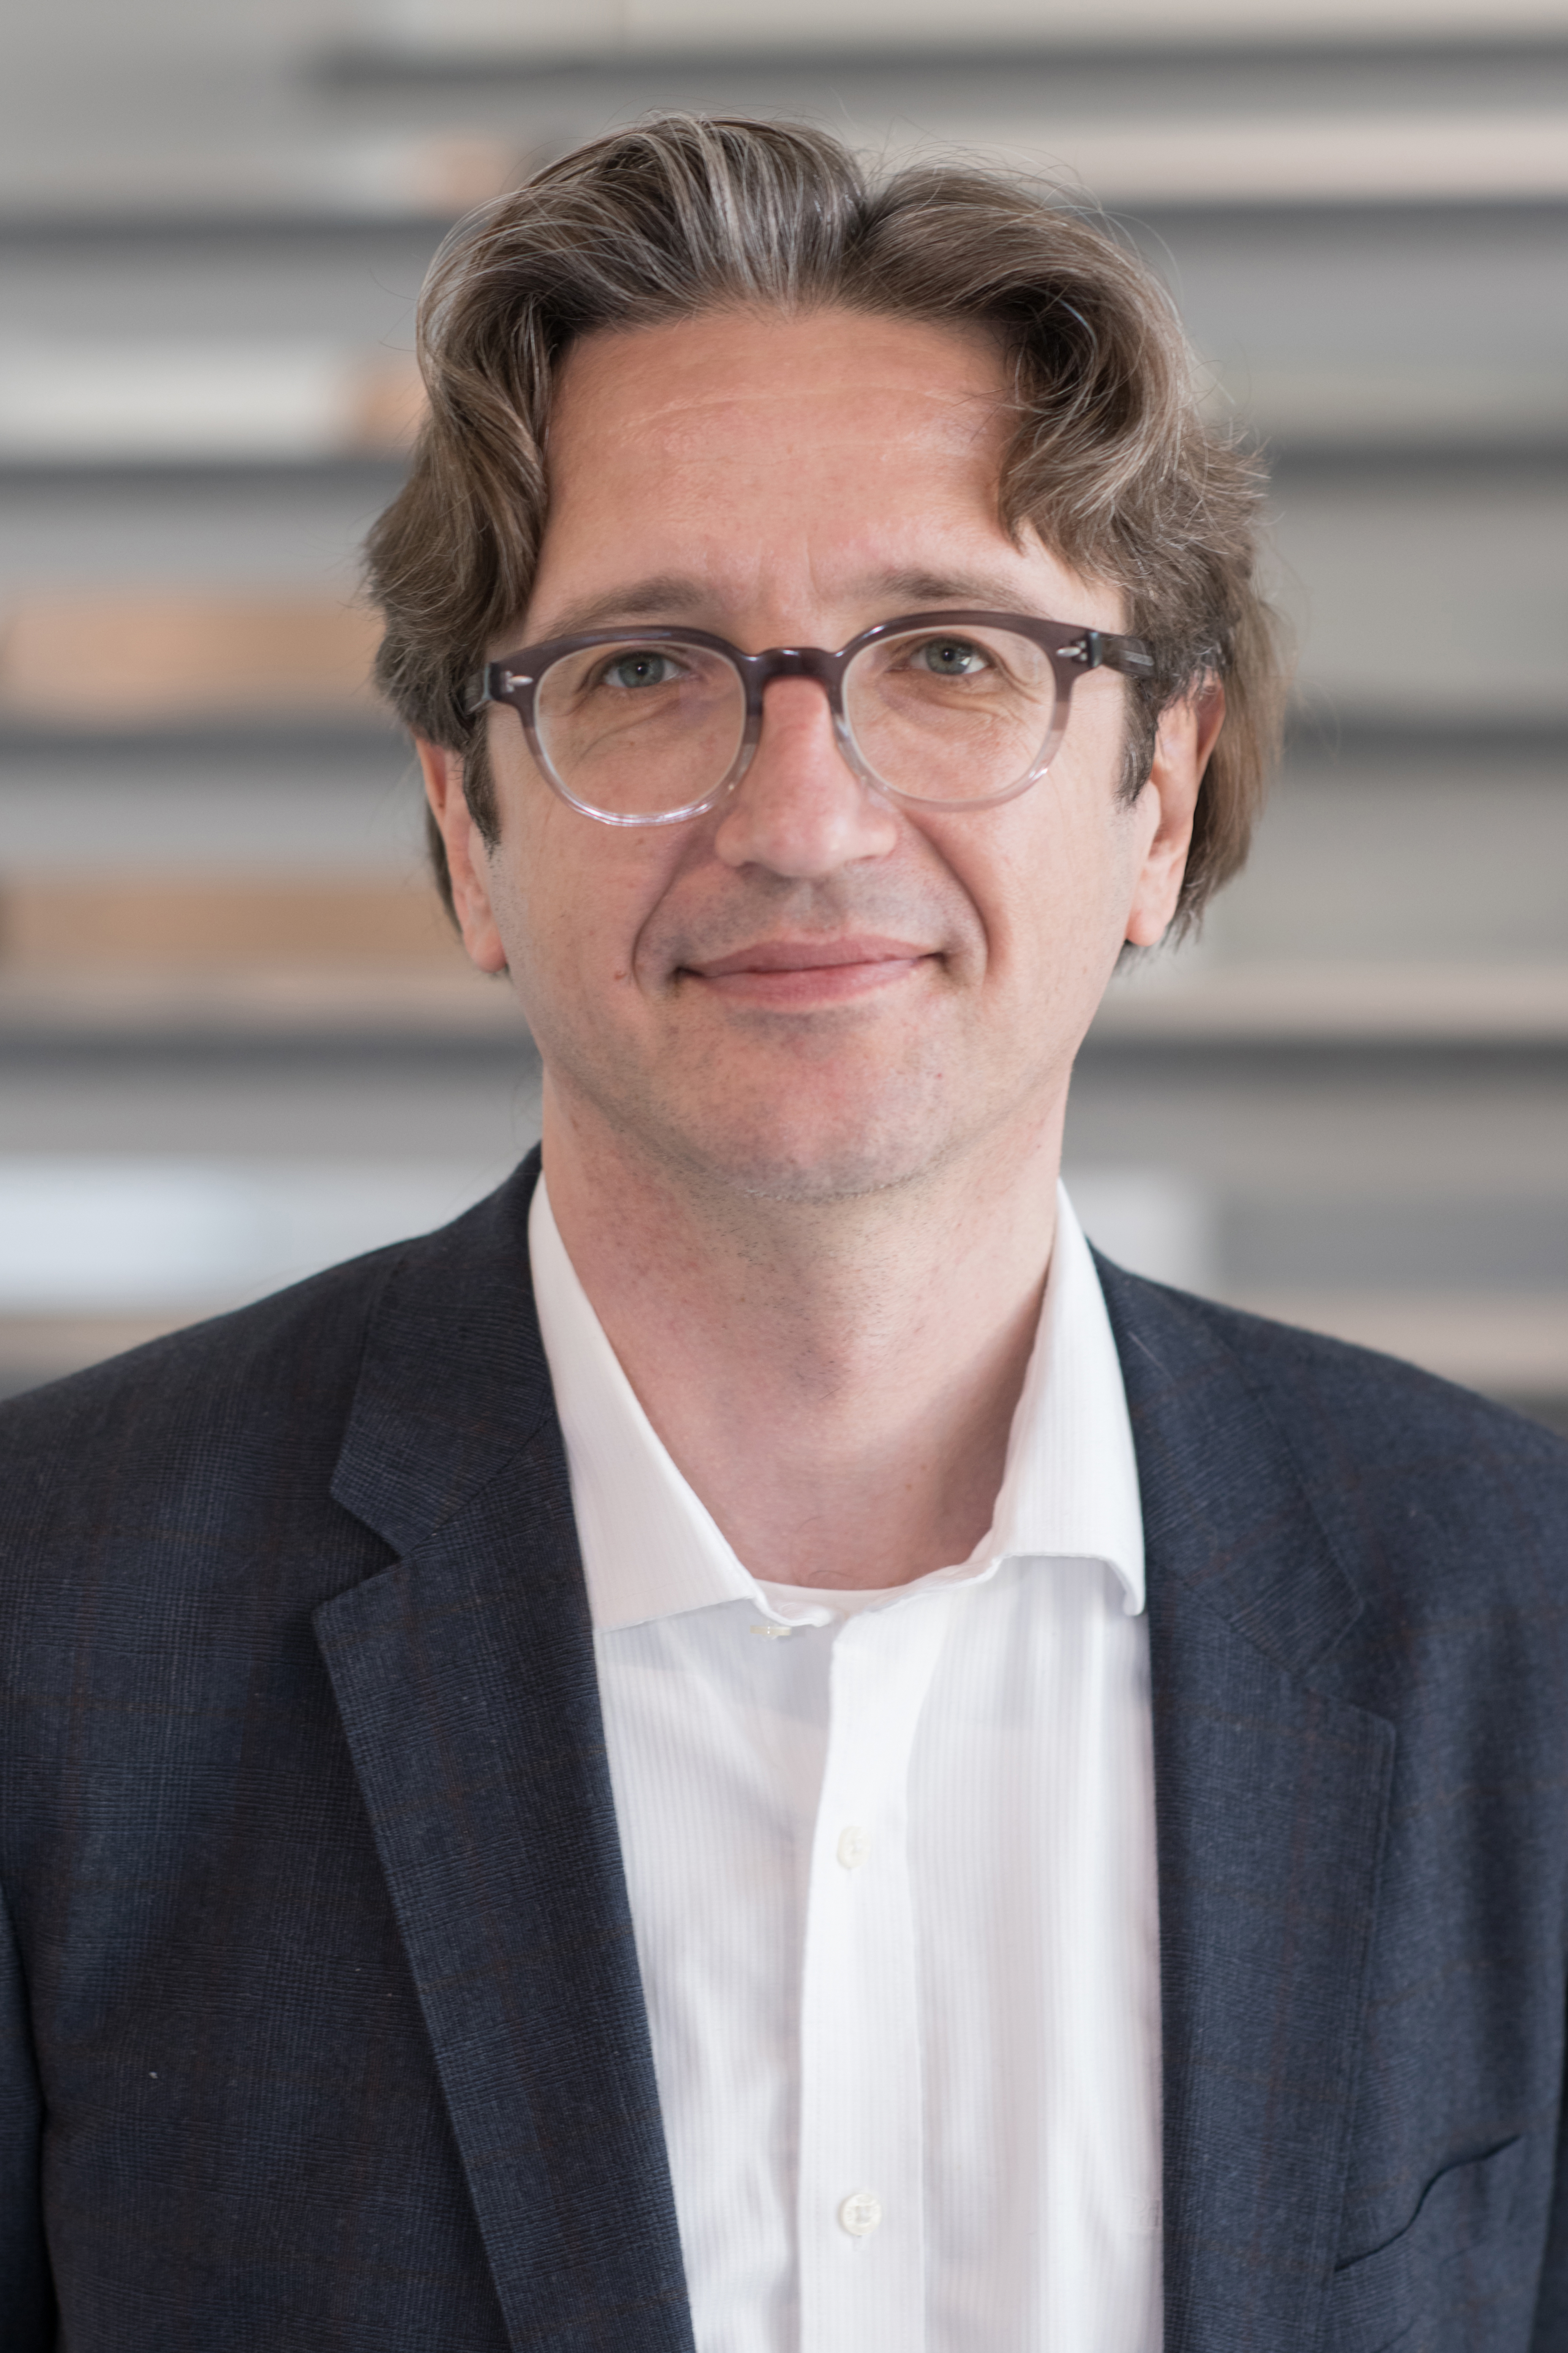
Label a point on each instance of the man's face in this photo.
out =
(808, 992)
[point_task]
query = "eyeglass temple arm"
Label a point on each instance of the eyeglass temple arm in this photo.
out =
(1100, 649)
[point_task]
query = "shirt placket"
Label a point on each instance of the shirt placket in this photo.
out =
(861, 2221)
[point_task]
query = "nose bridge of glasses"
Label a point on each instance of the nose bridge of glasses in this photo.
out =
(782, 664)
(815, 662)
(778, 665)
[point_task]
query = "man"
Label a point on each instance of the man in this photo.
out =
(749, 1748)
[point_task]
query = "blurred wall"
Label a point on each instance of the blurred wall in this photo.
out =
(235, 1041)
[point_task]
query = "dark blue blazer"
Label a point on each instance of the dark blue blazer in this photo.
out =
(321, 2029)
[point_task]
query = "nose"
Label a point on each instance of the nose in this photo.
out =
(800, 810)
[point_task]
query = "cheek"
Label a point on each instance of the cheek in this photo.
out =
(576, 899)
(1064, 843)
(1054, 884)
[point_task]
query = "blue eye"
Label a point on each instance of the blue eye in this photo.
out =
(640, 669)
(950, 657)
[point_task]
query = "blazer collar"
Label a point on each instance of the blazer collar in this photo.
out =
(453, 1381)
(1271, 1800)
(465, 1679)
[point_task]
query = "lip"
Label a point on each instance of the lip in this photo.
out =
(786, 972)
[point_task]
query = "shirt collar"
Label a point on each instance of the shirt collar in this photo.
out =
(1070, 1486)
(651, 1549)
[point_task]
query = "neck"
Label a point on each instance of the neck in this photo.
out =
(835, 1379)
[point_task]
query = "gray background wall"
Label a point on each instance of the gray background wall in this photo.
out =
(234, 1041)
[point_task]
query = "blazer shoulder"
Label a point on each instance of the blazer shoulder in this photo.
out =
(196, 1430)
(190, 1376)
(1397, 1465)
(294, 1350)
(212, 1425)
(1377, 1402)
(1371, 1400)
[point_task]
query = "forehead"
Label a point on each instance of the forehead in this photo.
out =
(743, 410)
(749, 445)
(807, 378)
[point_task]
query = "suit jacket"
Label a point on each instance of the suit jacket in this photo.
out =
(321, 2027)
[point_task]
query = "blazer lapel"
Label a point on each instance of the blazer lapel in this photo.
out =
(466, 1682)
(1271, 1800)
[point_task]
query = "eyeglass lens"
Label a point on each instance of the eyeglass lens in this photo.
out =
(640, 729)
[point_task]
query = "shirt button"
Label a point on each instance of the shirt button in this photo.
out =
(860, 2213)
(854, 1846)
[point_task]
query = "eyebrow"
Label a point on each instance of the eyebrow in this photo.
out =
(675, 596)
(665, 597)
(987, 589)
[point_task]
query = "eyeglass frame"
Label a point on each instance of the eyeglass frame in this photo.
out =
(1071, 650)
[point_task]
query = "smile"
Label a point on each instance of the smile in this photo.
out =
(802, 973)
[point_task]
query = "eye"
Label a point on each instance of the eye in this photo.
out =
(950, 657)
(642, 668)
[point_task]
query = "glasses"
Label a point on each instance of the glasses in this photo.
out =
(944, 710)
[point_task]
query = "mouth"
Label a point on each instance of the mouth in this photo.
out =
(809, 972)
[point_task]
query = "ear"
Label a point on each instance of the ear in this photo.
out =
(468, 861)
(1168, 803)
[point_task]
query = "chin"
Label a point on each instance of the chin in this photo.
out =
(812, 1163)
(803, 1133)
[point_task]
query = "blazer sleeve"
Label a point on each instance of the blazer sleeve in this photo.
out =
(1551, 2333)
(26, 2294)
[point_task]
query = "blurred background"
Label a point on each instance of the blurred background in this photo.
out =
(236, 1040)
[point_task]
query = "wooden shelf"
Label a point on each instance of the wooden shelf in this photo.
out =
(125, 927)
(1486, 1340)
(195, 404)
(1341, 1004)
(154, 659)
(234, 1005)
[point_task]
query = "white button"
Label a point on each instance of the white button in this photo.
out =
(854, 1846)
(773, 1634)
(860, 2213)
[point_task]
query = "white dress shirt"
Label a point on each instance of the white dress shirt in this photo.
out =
(891, 1866)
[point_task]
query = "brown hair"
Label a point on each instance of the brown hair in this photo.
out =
(1111, 460)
